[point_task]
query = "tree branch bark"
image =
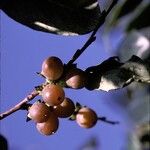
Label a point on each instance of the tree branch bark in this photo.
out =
(20, 105)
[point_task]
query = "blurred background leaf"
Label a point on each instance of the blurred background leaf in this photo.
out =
(127, 13)
(141, 20)
(90, 144)
(3, 143)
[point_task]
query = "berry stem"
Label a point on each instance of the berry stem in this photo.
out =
(92, 38)
(104, 119)
(20, 105)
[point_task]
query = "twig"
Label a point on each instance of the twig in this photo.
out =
(104, 119)
(92, 38)
(20, 105)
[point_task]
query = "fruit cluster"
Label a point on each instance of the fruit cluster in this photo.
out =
(54, 103)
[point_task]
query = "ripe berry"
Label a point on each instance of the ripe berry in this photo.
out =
(50, 126)
(53, 94)
(52, 68)
(65, 109)
(75, 78)
(86, 117)
(39, 112)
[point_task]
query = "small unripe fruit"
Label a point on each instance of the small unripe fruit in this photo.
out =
(53, 94)
(65, 109)
(75, 78)
(86, 117)
(50, 126)
(52, 68)
(39, 112)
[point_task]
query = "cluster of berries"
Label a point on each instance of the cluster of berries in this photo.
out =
(54, 104)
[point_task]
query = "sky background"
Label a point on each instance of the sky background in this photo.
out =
(22, 53)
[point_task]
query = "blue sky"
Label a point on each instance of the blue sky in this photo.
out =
(22, 53)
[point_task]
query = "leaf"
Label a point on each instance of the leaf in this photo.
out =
(123, 14)
(115, 79)
(141, 20)
(120, 75)
(136, 43)
(128, 7)
(94, 73)
(139, 68)
(71, 17)
(135, 69)
(3, 143)
(122, 9)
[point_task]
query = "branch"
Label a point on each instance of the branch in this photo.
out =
(20, 105)
(104, 119)
(113, 75)
(92, 38)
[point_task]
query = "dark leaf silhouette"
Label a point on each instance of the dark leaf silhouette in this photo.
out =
(3, 143)
(141, 21)
(55, 16)
(128, 7)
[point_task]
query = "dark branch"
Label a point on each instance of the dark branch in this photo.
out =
(92, 38)
(104, 119)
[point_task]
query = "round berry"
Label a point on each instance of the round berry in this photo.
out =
(52, 68)
(65, 109)
(53, 94)
(39, 112)
(86, 117)
(50, 126)
(75, 78)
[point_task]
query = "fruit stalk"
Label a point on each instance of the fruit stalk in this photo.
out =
(20, 105)
(104, 119)
(92, 38)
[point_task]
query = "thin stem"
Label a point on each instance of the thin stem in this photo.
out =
(92, 38)
(104, 119)
(20, 105)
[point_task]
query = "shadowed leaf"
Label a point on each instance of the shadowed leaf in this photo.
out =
(128, 7)
(3, 143)
(54, 16)
(141, 21)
